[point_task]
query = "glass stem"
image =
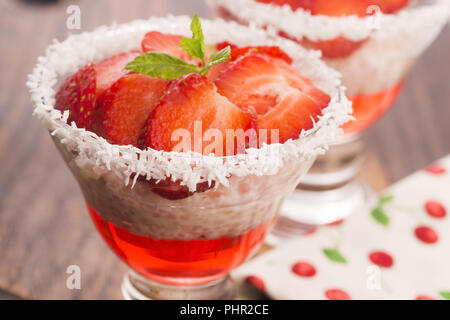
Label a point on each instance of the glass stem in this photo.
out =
(136, 287)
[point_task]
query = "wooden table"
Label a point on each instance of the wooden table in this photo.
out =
(44, 226)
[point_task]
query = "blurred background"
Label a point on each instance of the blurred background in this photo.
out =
(44, 226)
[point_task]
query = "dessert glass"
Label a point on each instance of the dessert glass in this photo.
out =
(185, 248)
(383, 49)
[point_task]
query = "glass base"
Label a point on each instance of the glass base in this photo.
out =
(136, 287)
(304, 210)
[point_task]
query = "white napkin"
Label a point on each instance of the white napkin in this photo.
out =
(399, 250)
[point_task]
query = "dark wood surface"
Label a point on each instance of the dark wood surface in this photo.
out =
(44, 226)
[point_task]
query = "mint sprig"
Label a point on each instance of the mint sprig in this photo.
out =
(195, 46)
(164, 66)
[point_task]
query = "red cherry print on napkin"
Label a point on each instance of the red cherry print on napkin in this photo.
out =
(435, 169)
(435, 209)
(304, 269)
(381, 259)
(426, 234)
(423, 297)
(256, 282)
(336, 294)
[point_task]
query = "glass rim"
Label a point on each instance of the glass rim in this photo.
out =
(300, 23)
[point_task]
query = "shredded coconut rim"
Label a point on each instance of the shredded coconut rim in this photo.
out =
(64, 58)
(301, 23)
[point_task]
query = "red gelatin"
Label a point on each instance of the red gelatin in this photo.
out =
(367, 108)
(175, 262)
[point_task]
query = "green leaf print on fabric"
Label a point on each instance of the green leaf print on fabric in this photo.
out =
(378, 213)
(380, 216)
(334, 255)
(445, 294)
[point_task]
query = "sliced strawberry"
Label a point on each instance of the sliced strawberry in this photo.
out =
(336, 48)
(392, 6)
(273, 51)
(67, 97)
(296, 80)
(279, 96)
(336, 8)
(170, 190)
(166, 43)
(87, 84)
(325, 7)
(340, 47)
(77, 94)
(175, 191)
(190, 107)
(224, 44)
(217, 70)
(162, 42)
(97, 122)
(290, 116)
(127, 105)
(227, 15)
(245, 80)
(294, 4)
(111, 69)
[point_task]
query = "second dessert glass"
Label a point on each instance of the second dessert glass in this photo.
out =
(373, 54)
(181, 248)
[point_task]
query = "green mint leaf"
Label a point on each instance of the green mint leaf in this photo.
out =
(445, 295)
(195, 47)
(196, 28)
(334, 255)
(380, 216)
(192, 47)
(220, 56)
(197, 34)
(386, 199)
(161, 65)
(216, 58)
